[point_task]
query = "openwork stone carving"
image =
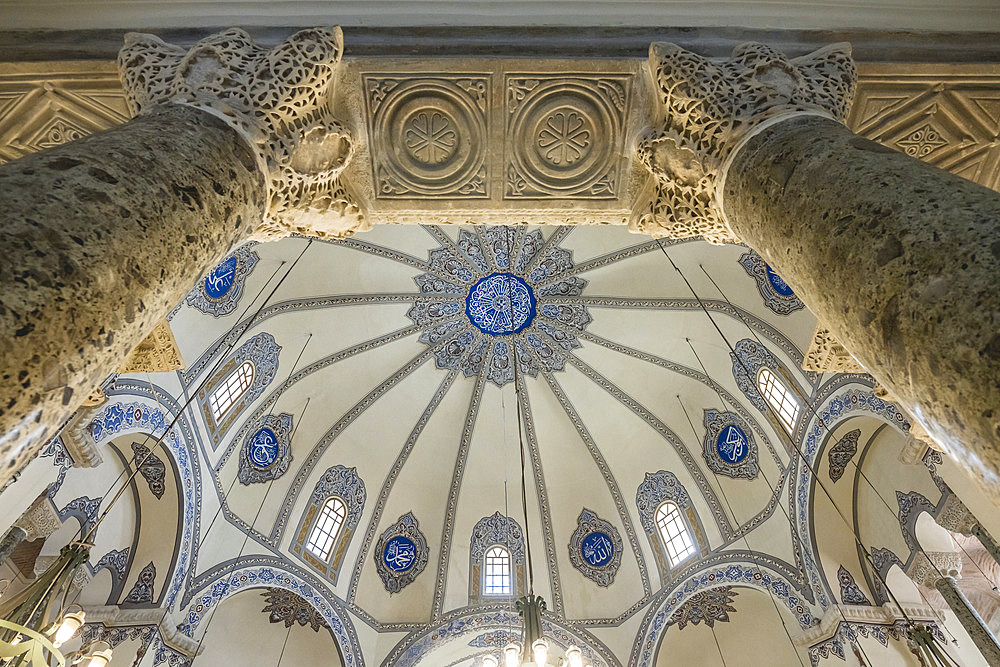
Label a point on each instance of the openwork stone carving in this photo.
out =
(266, 451)
(219, 293)
(711, 607)
(842, 453)
(401, 553)
(595, 548)
(157, 353)
(709, 107)
(564, 136)
(428, 135)
(278, 99)
(729, 446)
(826, 355)
(778, 296)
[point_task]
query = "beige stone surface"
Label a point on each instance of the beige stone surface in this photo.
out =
(157, 353)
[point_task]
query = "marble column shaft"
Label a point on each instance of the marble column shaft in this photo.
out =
(987, 541)
(101, 237)
(970, 620)
(901, 260)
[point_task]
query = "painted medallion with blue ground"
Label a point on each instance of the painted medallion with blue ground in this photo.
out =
(597, 549)
(732, 444)
(779, 285)
(729, 449)
(263, 448)
(778, 296)
(500, 304)
(221, 279)
(400, 553)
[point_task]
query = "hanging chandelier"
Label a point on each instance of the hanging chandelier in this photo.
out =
(535, 652)
(36, 622)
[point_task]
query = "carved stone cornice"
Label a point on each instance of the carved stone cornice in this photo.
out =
(79, 442)
(164, 621)
(887, 614)
(157, 353)
(39, 520)
(279, 99)
(826, 355)
(709, 108)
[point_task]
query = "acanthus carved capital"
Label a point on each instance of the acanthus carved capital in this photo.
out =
(708, 107)
(39, 520)
(279, 99)
(929, 566)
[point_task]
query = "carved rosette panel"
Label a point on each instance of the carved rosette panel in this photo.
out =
(428, 135)
(564, 136)
(401, 553)
(778, 296)
(266, 451)
(595, 548)
(729, 447)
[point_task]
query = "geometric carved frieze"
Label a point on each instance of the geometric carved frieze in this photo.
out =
(947, 115)
(428, 135)
(565, 136)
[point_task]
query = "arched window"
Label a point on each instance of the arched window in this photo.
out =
(231, 389)
(777, 395)
(324, 533)
(674, 533)
(496, 572)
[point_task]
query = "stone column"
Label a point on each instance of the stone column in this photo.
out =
(987, 541)
(103, 236)
(970, 619)
(897, 258)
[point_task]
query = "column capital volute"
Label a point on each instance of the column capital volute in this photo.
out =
(279, 99)
(708, 107)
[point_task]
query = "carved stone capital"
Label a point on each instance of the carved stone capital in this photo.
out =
(39, 520)
(826, 355)
(709, 107)
(279, 99)
(927, 567)
(956, 517)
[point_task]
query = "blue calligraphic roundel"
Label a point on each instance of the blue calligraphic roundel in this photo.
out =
(220, 280)
(779, 285)
(597, 549)
(500, 304)
(263, 448)
(400, 554)
(732, 444)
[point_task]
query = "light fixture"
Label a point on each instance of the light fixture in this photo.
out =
(490, 661)
(71, 622)
(575, 656)
(99, 654)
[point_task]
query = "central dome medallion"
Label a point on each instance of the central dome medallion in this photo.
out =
(521, 297)
(500, 304)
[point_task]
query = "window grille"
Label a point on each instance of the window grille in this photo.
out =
(234, 386)
(675, 533)
(778, 397)
(324, 534)
(496, 574)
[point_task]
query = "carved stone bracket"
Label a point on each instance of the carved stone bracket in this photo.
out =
(278, 99)
(79, 441)
(826, 355)
(709, 107)
(157, 353)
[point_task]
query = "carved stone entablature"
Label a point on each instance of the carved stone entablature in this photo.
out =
(826, 355)
(281, 105)
(708, 107)
(929, 566)
(157, 353)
